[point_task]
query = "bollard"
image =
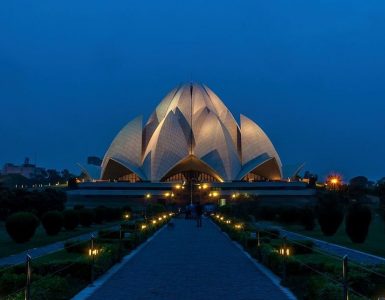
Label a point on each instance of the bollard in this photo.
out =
(258, 240)
(259, 255)
(345, 278)
(28, 283)
(284, 259)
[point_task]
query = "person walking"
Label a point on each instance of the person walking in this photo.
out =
(199, 212)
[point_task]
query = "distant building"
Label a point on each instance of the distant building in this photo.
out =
(27, 169)
(94, 160)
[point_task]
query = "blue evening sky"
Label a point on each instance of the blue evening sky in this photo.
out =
(310, 73)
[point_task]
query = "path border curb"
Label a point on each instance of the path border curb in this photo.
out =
(265, 271)
(333, 244)
(91, 289)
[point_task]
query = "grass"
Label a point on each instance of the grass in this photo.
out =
(9, 247)
(374, 243)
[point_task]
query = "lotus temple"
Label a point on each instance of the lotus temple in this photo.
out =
(191, 143)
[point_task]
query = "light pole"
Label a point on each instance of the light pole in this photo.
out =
(147, 198)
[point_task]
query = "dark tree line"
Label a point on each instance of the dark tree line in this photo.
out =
(38, 202)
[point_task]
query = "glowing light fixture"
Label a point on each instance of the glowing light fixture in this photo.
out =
(93, 252)
(238, 226)
(284, 251)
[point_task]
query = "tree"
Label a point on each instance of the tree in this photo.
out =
(381, 196)
(357, 222)
(307, 218)
(86, 217)
(100, 214)
(154, 209)
(330, 212)
(21, 226)
(66, 175)
(357, 187)
(53, 176)
(70, 219)
(52, 222)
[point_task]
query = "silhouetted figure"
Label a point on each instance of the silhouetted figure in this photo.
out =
(199, 212)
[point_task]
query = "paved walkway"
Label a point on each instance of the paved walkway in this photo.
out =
(19, 258)
(189, 263)
(341, 251)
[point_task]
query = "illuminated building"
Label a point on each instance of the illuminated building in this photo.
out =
(191, 135)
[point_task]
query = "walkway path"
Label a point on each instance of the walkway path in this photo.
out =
(44, 250)
(355, 255)
(189, 263)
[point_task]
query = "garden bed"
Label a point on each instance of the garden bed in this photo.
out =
(308, 272)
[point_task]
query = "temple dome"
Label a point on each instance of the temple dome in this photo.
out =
(191, 130)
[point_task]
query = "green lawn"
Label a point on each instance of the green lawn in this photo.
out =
(374, 244)
(8, 246)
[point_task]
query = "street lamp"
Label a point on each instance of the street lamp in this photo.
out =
(215, 194)
(334, 181)
(147, 197)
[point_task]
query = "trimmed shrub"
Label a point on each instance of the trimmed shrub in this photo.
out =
(289, 215)
(227, 209)
(267, 213)
(100, 213)
(357, 222)
(86, 217)
(78, 269)
(294, 268)
(109, 234)
(52, 222)
(51, 287)
(10, 282)
(154, 209)
(307, 218)
(70, 219)
(130, 226)
(112, 214)
(362, 282)
(21, 226)
(126, 209)
(330, 213)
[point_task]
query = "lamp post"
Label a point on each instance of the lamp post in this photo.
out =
(345, 278)
(285, 252)
(28, 283)
(147, 198)
(92, 252)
